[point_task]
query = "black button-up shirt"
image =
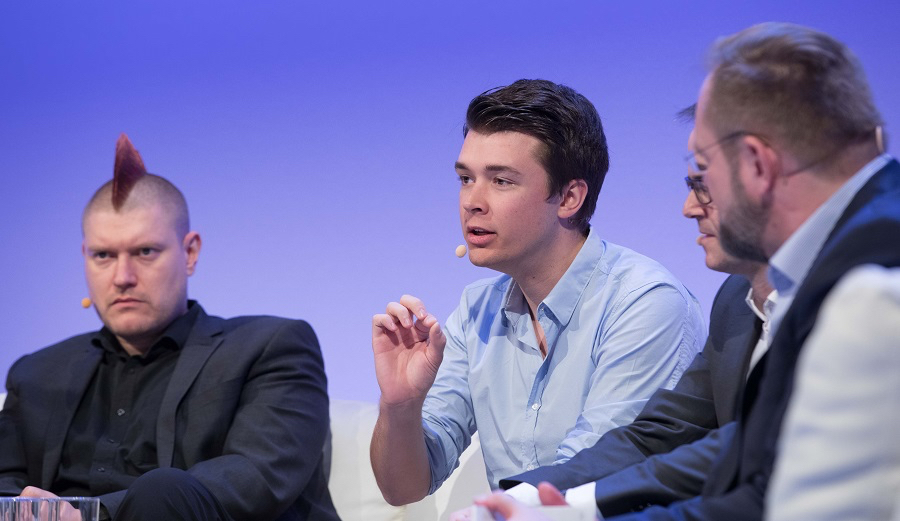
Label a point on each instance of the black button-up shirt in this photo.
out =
(112, 438)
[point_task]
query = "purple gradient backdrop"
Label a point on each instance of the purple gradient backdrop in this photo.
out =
(315, 143)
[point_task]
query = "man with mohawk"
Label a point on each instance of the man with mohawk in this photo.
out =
(166, 412)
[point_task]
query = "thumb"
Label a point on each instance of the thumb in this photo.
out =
(499, 503)
(36, 492)
(550, 495)
(436, 343)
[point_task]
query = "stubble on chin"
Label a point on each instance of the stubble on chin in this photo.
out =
(741, 230)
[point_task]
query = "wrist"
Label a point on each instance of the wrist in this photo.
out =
(410, 408)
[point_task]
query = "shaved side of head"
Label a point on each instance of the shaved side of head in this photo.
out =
(149, 190)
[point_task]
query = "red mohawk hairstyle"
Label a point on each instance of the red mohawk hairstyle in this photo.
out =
(129, 168)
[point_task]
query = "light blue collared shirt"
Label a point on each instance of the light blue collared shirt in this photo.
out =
(791, 262)
(618, 326)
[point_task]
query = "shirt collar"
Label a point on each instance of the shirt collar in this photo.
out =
(174, 336)
(791, 262)
(768, 304)
(560, 303)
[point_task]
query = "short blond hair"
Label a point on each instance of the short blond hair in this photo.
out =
(796, 85)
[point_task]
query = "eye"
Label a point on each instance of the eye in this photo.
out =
(501, 181)
(465, 179)
(695, 163)
(100, 255)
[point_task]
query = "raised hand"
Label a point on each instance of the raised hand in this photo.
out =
(408, 345)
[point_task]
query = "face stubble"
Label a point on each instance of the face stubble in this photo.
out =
(741, 228)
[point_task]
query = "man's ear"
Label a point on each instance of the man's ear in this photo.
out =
(572, 197)
(764, 167)
(191, 245)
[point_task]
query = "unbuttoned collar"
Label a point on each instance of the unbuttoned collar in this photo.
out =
(563, 299)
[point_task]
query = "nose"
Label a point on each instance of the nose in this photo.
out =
(692, 208)
(124, 275)
(472, 198)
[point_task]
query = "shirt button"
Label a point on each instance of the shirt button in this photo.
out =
(120, 412)
(110, 440)
(535, 406)
(101, 469)
(530, 467)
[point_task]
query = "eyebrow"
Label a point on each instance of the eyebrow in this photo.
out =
(490, 168)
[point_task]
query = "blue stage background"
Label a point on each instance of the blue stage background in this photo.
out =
(315, 141)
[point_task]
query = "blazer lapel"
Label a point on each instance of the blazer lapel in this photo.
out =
(764, 411)
(76, 377)
(831, 264)
(205, 337)
(746, 388)
(885, 180)
(740, 336)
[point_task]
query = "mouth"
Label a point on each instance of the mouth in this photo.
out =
(706, 232)
(477, 236)
(125, 301)
(704, 237)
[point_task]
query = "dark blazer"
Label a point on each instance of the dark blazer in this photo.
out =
(868, 232)
(704, 399)
(245, 413)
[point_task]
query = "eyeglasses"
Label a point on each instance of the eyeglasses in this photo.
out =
(699, 188)
(691, 159)
(695, 183)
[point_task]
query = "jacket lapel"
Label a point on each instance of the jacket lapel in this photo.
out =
(764, 409)
(205, 337)
(75, 379)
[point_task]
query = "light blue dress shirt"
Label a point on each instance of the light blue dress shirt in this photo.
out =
(618, 326)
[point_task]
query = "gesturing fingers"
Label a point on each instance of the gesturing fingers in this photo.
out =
(400, 313)
(410, 313)
(414, 305)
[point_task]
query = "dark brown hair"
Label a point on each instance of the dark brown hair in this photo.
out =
(563, 120)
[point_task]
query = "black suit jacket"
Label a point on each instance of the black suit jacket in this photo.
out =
(245, 413)
(868, 232)
(704, 399)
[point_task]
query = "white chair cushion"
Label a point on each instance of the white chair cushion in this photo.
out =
(352, 482)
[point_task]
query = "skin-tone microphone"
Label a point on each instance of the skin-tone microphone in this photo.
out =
(461, 250)
(85, 302)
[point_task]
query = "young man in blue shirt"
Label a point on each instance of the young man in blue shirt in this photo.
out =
(566, 344)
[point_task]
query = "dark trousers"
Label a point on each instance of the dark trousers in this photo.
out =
(170, 494)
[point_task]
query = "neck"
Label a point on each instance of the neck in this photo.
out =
(136, 347)
(537, 283)
(759, 283)
(805, 190)
(140, 345)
